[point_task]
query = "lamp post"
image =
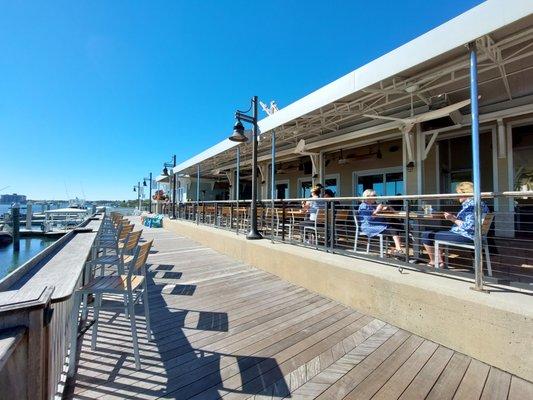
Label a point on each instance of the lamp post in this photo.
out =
(138, 190)
(173, 182)
(239, 136)
(149, 179)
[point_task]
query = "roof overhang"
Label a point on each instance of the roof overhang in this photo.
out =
(434, 49)
(163, 179)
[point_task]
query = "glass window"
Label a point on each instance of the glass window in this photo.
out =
(457, 177)
(394, 183)
(384, 184)
(282, 191)
(331, 184)
(305, 189)
(374, 182)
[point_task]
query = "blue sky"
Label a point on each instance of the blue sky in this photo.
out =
(96, 94)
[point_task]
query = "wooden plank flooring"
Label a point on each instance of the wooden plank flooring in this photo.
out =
(225, 330)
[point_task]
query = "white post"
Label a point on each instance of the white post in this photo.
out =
(28, 215)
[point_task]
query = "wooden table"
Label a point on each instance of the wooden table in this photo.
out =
(439, 215)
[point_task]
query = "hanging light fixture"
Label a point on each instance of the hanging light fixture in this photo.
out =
(165, 171)
(238, 133)
(134, 189)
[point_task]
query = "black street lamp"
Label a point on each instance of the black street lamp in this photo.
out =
(173, 182)
(239, 136)
(149, 179)
(137, 189)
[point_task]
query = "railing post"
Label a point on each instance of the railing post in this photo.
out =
(326, 228)
(216, 214)
(333, 228)
(283, 216)
(407, 208)
(231, 216)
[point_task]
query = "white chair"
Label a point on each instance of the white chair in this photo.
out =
(382, 239)
(278, 226)
(133, 286)
(485, 226)
(320, 220)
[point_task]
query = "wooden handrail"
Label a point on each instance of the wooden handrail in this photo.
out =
(38, 298)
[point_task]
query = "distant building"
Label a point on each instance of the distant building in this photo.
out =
(12, 198)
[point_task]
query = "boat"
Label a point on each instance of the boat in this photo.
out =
(76, 203)
(5, 238)
(63, 219)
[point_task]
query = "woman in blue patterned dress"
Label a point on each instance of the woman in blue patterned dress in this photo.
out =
(462, 230)
(372, 225)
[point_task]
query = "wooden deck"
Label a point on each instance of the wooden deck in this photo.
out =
(226, 330)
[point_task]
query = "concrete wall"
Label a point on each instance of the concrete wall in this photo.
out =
(496, 328)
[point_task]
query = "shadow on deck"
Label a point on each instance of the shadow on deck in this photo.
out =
(225, 330)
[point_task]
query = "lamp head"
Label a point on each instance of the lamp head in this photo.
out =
(144, 182)
(238, 133)
(165, 171)
(134, 189)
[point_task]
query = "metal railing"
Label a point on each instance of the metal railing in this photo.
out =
(412, 220)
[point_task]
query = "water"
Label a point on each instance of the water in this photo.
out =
(29, 247)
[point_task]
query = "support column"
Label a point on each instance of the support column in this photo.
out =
(238, 176)
(478, 261)
(263, 174)
(420, 147)
(197, 193)
(322, 169)
(230, 175)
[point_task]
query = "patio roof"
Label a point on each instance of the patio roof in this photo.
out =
(424, 74)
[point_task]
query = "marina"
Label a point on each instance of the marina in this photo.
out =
(373, 239)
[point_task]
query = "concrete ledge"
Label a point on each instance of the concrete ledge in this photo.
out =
(496, 328)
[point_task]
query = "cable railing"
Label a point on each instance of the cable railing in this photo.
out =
(411, 231)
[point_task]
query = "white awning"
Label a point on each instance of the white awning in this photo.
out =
(456, 33)
(163, 179)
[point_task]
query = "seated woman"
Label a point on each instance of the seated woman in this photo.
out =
(372, 225)
(311, 207)
(462, 230)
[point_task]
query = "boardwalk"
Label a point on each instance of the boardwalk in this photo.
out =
(225, 330)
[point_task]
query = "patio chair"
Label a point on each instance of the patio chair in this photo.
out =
(124, 254)
(112, 241)
(382, 240)
(319, 222)
(278, 225)
(341, 221)
(133, 285)
(485, 226)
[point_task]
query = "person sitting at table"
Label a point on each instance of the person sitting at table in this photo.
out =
(462, 230)
(372, 225)
(310, 208)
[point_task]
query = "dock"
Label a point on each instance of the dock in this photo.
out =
(223, 329)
